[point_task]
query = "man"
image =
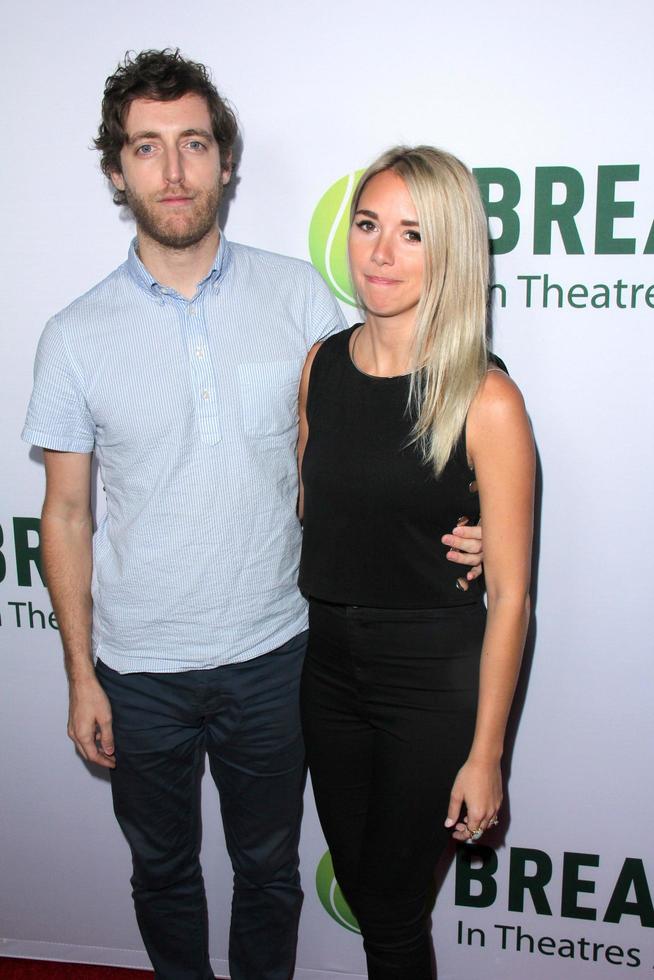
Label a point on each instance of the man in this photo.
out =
(180, 371)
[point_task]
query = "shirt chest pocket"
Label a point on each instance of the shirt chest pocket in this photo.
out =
(269, 397)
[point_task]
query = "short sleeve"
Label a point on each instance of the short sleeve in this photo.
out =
(57, 415)
(324, 316)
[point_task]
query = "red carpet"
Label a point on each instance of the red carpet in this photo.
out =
(16, 969)
(11, 969)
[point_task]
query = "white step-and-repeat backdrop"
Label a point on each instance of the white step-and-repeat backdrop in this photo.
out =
(552, 105)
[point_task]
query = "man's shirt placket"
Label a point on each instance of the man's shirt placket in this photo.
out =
(202, 375)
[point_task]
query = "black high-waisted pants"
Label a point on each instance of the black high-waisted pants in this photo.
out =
(388, 702)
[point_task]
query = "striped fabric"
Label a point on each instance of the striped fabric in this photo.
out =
(191, 409)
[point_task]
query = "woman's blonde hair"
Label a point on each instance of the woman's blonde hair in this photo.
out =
(450, 354)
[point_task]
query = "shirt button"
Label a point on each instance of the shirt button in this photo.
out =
(206, 395)
(191, 310)
(199, 352)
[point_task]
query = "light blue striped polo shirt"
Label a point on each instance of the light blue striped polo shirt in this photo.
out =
(191, 409)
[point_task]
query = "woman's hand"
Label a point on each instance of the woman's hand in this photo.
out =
(478, 787)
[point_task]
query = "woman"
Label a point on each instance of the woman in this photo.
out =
(406, 425)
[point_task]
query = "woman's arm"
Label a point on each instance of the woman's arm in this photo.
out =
(303, 425)
(500, 445)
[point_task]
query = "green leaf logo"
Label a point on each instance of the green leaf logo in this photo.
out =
(331, 896)
(328, 237)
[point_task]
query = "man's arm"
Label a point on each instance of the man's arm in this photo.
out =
(66, 545)
(303, 425)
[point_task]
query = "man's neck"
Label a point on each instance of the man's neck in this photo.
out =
(179, 268)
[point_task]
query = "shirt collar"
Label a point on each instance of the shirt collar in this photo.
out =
(147, 281)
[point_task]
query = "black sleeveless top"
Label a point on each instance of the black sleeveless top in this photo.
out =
(374, 512)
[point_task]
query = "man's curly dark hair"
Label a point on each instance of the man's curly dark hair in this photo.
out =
(162, 76)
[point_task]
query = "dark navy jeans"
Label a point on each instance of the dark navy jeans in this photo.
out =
(245, 718)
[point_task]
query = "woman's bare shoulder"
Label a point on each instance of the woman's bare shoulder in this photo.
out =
(497, 413)
(498, 395)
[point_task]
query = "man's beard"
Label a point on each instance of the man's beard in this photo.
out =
(168, 230)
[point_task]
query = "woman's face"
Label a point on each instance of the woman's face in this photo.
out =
(386, 253)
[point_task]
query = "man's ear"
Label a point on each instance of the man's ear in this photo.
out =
(226, 168)
(117, 180)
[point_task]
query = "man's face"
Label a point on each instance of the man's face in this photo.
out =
(172, 174)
